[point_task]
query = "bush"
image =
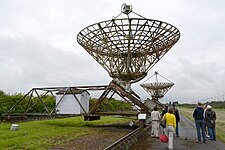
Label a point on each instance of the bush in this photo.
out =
(111, 105)
(7, 101)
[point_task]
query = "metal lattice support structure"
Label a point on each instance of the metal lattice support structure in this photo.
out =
(157, 89)
(36, 95)
(128, 48)
(126, 95)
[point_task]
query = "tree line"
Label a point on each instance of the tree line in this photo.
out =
(111, 105)
(9, 100)
(214, 104)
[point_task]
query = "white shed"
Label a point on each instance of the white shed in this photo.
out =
(152, 103)
(72, 102)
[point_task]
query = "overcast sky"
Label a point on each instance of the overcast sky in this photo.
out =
(38, 46)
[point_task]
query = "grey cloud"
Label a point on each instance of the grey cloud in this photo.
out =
(38, 45)
(26, 62)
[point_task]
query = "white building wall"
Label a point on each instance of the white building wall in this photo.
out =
(84, 99)
(69, 104)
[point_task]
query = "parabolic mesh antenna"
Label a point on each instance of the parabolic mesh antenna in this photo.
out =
(127, 48)
(157, 89)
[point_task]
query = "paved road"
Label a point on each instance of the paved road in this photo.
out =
(186, 141)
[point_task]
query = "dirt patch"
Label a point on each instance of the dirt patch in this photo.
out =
(101, 137)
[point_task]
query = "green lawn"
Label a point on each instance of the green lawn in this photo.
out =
(220, 122)
(41, 135)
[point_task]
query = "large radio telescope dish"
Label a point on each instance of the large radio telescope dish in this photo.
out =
(128, 48)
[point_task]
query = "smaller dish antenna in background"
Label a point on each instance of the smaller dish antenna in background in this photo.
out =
(157, 89)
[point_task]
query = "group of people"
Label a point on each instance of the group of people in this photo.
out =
(172, 117)
(205, 119)
(171, 114)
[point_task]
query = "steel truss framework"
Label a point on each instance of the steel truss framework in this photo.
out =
(157, 89)
(127, 95)
(36, 95)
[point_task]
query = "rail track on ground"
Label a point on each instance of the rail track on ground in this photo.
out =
(129, 139)
(34, 116)
(20, 117)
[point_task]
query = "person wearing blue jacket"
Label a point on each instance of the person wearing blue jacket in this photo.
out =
(199, 122)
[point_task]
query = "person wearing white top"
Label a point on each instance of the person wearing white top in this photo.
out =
(155, 118)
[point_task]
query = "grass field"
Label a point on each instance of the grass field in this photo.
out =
(41, 135)
(220, 122)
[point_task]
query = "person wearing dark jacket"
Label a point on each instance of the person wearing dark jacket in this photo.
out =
(165, 110)
(199, 122)
(210, 118)
(176, 113)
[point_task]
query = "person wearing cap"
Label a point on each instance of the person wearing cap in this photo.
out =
(210, 119)
(199, 122)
